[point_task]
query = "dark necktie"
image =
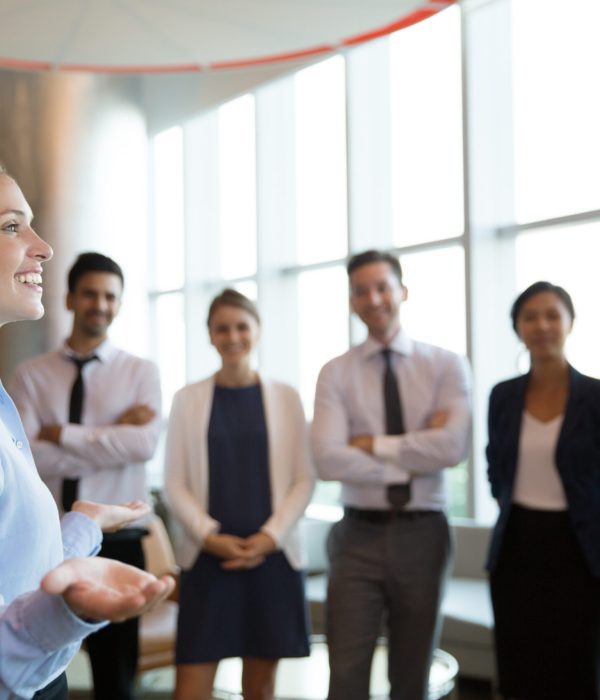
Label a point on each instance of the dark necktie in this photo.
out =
(398, 495)
(70, 486)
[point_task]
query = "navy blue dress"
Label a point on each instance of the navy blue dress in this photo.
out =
(258, 612)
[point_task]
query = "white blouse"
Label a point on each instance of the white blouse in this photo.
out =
(537, 483)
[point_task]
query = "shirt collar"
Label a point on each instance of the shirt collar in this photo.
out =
(103, 352)
(401, 344)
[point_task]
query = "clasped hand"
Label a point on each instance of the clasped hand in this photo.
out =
(240, 552)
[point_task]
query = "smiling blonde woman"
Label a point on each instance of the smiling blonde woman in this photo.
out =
(238, 477)
(41, 627)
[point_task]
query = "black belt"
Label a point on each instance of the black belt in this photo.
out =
(386, 516)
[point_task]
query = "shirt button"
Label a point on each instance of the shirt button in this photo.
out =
(19, 445)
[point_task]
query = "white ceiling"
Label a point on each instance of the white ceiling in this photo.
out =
(190, 35)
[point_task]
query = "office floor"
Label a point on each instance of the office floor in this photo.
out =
(157, 685)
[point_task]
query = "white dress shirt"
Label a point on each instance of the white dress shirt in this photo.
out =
(107, 459)
(39, 634)
(349, 402)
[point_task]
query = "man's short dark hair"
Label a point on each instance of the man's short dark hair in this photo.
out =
(374, 256)
(93, 262)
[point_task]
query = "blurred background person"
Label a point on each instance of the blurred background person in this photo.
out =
(392, 414)
(238, 478)
(544, 469)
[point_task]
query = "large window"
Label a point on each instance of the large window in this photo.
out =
(467, 144)
(320, 119)
(556, 59)
(167, 214)
(426, 134)
(237, 188)
(322, 324)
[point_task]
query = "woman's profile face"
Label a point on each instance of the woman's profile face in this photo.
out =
(21, 255)
(543, 324)
(234, 333)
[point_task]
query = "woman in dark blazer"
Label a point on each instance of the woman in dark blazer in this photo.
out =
(544, 470)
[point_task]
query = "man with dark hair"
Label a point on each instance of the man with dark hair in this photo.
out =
(375, 256)
(92, 414)
(390, 415)
(92, 262)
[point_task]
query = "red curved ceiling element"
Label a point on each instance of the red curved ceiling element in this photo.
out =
(426, 10)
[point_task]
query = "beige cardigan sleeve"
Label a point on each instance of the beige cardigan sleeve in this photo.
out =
(185, 461)
(292, 473)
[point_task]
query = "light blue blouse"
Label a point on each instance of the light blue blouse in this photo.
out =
(39, 634)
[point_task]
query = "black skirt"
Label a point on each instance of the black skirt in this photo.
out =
(259, 612)
(547, 611)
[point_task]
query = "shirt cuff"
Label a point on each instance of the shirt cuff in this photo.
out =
(210, 527)
(51, 624)
(65, 434)
(81, 536)
(73, 436)
(386, 448)
(272, 534)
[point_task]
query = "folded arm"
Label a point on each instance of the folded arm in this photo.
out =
(382, 459)
(335, 458)
(438, 445)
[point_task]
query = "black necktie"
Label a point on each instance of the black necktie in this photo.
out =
(398, 495)
(69, 486)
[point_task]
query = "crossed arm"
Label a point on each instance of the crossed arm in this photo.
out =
(437, 419)
(379, 459)
(138, 414)
(69, 450)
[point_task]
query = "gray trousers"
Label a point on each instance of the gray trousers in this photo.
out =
(393, 572)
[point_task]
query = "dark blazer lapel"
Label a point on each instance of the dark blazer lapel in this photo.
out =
(515, 406)
(574, 411)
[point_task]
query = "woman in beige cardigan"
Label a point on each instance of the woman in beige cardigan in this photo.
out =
(238, 478)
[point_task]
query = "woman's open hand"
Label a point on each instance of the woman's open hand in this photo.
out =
(111, 518)
(104, 589)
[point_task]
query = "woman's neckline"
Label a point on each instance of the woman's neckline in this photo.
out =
(530, 415)
(236, 380)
